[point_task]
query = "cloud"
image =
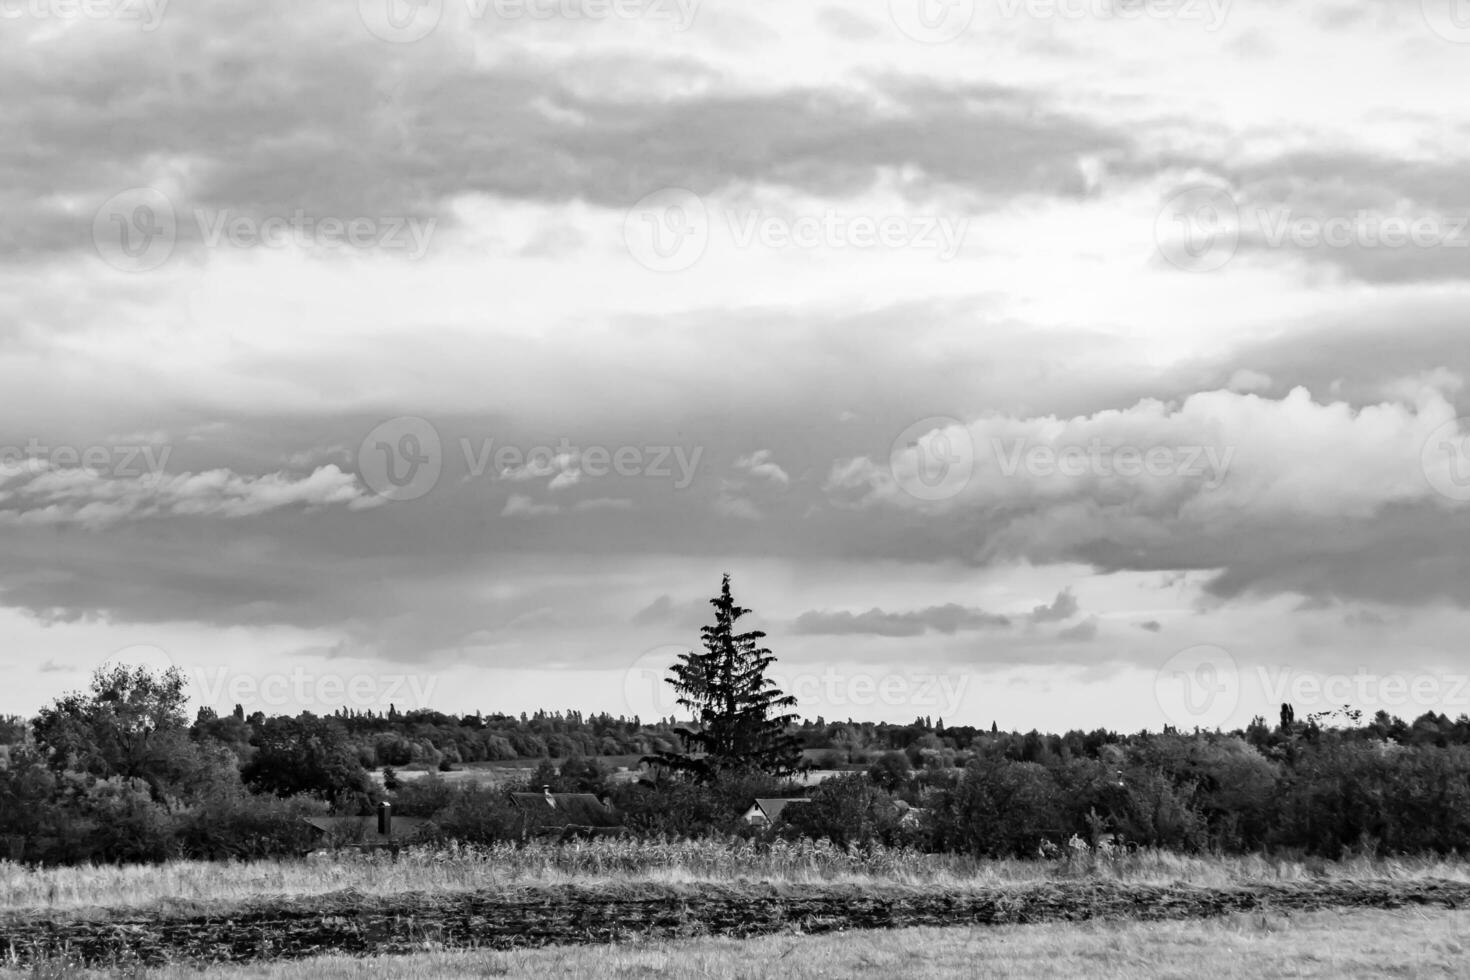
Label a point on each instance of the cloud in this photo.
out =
(761, 466)
(1083, 632)
(520, 505)
(666, 610)
(593, 504)
(566, 478)
(595, 128)
(1150, 625)
(561, 467)
(1246, 380)
(1064, 606)
(729, 503)
(1218, 456)
(949, 618)
(39, 493)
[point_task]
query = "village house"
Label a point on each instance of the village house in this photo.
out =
(765, 811)
(566, 815)
(381, 829)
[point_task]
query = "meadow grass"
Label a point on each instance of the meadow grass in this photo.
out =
(626, 864)
(1335, 945)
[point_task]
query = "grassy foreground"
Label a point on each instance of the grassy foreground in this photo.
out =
(1323, 945)
(627, 864)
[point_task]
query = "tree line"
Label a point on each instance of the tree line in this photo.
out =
(119, 772)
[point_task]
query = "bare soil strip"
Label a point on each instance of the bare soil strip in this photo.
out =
(355, 924)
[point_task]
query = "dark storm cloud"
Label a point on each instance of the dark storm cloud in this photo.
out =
(260, 122)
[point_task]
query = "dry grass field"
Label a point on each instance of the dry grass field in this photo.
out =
(1325, 945)
(631, 863)
(801, 909)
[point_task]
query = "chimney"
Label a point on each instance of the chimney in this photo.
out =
(385, 819)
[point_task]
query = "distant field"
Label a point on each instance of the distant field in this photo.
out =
(519, 770)
(1314, 946)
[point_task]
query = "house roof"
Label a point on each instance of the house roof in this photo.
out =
(565, 809)
(772, 806)
(366, 828)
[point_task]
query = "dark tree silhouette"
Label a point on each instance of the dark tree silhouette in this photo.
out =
(740, 722)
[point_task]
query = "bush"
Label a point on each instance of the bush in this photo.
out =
(847, 810)
(245, 827)
(478, 815)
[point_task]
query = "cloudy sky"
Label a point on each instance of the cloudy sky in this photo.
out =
(1060, 364)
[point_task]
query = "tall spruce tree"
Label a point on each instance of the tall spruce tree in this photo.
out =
(739, 712)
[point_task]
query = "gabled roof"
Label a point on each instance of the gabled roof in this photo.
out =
(772, 806)
(366, 828)
(564, 810)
